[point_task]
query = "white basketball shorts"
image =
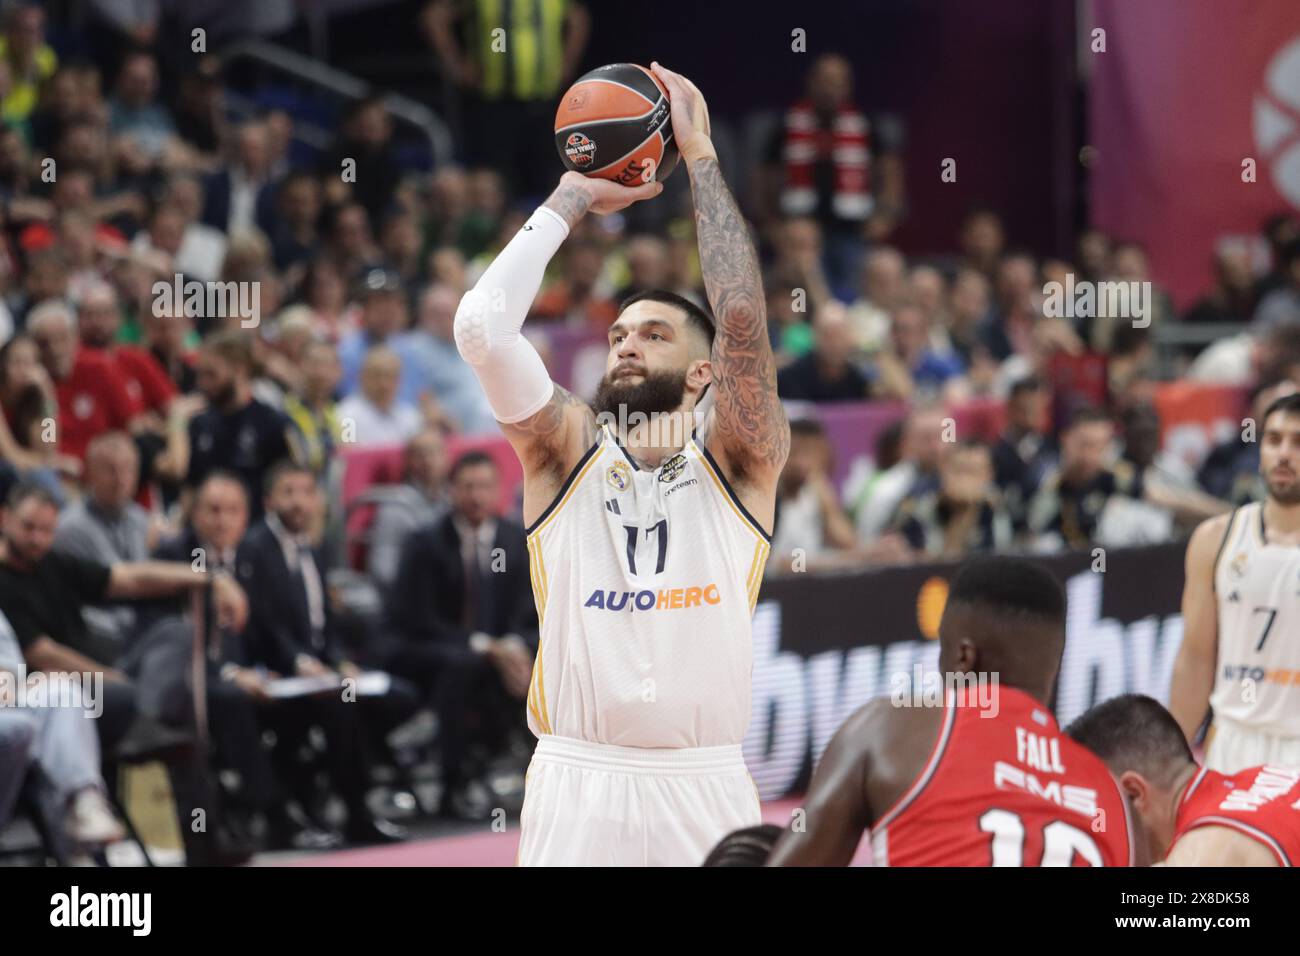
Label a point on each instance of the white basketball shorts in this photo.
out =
(588, 804)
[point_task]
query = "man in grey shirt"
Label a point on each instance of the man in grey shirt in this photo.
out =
(420, 500)
(107, 525)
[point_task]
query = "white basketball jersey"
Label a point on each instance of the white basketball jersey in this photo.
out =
(1257, 586)
(645, 583)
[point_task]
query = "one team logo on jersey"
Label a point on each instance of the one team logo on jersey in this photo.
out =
(1238, 566)
(673, 467)
(618, 475)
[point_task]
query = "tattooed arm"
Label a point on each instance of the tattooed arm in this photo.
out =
(748, 422)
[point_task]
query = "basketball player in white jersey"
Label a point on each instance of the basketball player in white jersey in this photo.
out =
(1240, 656)
(648, 530)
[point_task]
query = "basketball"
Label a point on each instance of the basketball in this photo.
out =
(613, 123)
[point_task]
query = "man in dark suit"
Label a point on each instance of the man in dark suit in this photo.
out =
(241, 195)
(239, 705)
(291, 632)
(464, 620)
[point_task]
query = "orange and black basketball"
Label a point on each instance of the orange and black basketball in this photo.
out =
(613, 123)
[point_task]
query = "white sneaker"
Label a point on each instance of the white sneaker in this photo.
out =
(91, 821)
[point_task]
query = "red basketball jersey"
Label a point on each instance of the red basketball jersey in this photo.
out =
(1004, 787)
(1261, 802)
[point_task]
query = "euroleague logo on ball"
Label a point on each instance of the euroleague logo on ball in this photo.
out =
(580, 150)
(1277, 120)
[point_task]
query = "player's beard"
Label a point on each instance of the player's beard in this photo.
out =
(656, 393)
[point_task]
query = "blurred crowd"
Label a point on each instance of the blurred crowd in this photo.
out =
(201, 321)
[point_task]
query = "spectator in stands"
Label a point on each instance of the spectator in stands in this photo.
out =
(365, 147)
(92, 394)
(200, 112)
(107, 526)
(99, 320)
(647, 266)
(400, 240)
(418, 501)
(836, 167)
(141, 126)
(202, 248)
(1167, 481)
(1281, 306)
(384, 320)
(43, 593)
(350, 241)
(578, 297)
(1068, 509)
(295, 232)
(465, 626)
(326, 294)
(916, 471)
(797, 259)
(241, 196)
(965, 317)
(910, 365)
(46, 279)
(1011, 321)
(884, 288)
(375, 415)
(239, 698)
(810, 523)
(447, 374)
(510, 94)
(167, 337)
(59, 740)
(964, 515)
(1280, 230)
(828, 373)
(291, 630)
(787, 325)
(1093, 255)
(982, 241)
(30, 59)
(28, 409)
(313, 409)
(1025, 451)
(1233, 297)
(236, 432)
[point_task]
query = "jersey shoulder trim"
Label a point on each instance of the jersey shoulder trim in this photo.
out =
(1218, 555)
(566, 489)
(711, 466)
(1245, 829)
(931, 767)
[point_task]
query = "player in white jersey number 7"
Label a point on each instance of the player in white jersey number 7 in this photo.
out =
(649, 519)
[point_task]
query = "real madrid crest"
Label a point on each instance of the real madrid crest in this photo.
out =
(672, 468)
(1238, 566)
(618, 475)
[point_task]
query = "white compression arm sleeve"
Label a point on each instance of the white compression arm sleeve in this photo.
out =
(492, 313)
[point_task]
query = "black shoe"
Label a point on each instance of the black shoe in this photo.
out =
(147, 740)
(368, 829)
(286, 830)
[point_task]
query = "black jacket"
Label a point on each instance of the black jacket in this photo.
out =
(429, 592)
(279, 622)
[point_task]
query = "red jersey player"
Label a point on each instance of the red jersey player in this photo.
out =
(1193, 816)
(987, 779)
